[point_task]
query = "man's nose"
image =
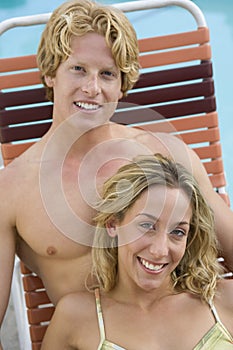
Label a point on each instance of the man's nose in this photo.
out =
(91, 86)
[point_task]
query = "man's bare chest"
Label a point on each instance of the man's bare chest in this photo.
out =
(54, 223)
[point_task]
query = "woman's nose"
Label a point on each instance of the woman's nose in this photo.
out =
(159, 245)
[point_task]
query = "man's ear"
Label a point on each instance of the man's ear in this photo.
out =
(49, 81)
(111, 227)
(120, 95)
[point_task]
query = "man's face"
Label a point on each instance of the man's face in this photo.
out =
(87, 81)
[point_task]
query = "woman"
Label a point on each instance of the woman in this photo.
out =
(155, 258)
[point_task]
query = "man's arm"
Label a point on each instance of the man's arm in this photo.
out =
(7, 255)
(7, 248)
(222, 213)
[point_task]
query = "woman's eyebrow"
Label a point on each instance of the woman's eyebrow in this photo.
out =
(148, 215)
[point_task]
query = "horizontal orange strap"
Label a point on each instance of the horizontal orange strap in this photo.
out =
(37, 332)
(35, 316)
(17, 63)
(176, 56)
(193, 122)
(11, 151)
(214, 167)
(31, 283)
(36, 298)
(218, 180)
(209, 135)
(210, 151)
(199, 36)
(18, 80)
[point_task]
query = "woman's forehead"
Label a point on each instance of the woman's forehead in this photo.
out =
(158, 201)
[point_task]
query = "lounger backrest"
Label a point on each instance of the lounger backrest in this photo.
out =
(175, 93)
(184, 95)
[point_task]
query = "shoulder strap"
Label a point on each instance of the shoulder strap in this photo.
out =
(224, 330)
(99, 315)
(215, 313)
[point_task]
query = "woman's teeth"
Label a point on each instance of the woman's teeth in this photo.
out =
(151, 266)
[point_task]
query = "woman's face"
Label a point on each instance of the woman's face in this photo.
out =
(152, 237)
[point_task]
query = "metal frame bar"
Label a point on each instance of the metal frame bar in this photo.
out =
(125, 7)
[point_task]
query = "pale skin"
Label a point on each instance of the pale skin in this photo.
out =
(29, 227)
(143, 301)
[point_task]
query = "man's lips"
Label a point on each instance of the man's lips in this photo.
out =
(87, 106)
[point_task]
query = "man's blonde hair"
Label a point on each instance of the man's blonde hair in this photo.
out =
(77, 18)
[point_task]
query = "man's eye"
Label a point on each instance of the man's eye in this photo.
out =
(108, 73)
(78, 68)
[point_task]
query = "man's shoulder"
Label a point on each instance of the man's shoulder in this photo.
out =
(7, 175)
(15, 176)
(12, 172)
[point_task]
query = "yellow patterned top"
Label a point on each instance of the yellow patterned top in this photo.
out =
(217, 338)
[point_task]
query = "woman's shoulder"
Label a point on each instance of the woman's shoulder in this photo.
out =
(76, 305)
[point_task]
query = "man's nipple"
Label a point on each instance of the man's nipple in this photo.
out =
(51, 251)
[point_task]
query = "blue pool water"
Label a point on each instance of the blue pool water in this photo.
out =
(218, 14)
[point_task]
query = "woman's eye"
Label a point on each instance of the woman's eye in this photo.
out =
(179, 233)
(147, 226)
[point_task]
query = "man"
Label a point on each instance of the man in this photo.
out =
(88, 58)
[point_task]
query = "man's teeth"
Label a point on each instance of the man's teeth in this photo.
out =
(151, 266)
(88, 106)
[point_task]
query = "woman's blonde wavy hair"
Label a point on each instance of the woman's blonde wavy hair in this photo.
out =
(78, 18)
(199, 269)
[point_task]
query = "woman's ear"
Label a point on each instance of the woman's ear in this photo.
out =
(111, 227)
